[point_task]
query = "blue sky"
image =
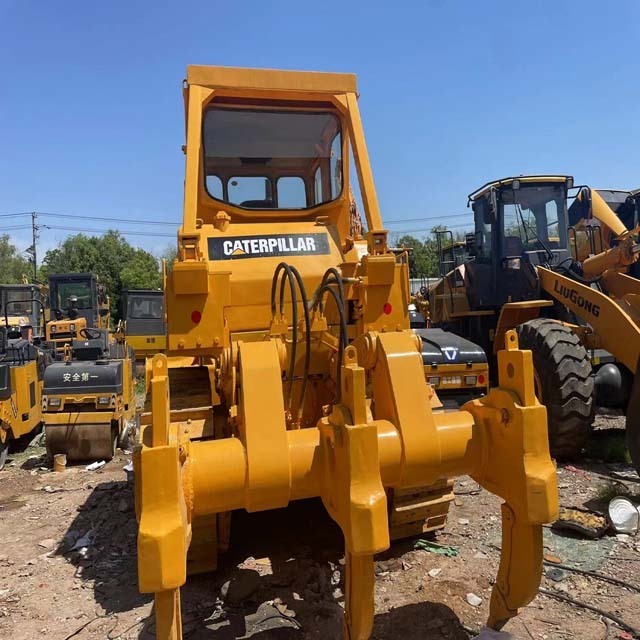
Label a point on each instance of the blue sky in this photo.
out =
(452, 94)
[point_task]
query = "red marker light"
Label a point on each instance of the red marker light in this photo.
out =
(196, 316)
(387, 309)
(481, 379)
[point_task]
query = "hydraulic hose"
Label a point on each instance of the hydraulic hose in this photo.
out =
(287, 276)
(307, 328)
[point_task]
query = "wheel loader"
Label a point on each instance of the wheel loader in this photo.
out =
(22, 367)
(594, 229)
(530, 272)
(456, 368)
(143, 318)
(291, 371)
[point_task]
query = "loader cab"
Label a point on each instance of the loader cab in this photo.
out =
(634, 196)
(621, 203)
(519, 223)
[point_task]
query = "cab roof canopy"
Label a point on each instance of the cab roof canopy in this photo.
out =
(505, 182)
(270, 79)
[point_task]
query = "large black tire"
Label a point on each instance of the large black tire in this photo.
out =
(564, 383)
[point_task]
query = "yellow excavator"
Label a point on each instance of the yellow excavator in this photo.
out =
(533, 272)
(291, 369)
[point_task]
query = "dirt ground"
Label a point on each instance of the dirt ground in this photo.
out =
(68, 565)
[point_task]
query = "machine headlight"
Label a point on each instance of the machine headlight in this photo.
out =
(434, 381)
(54, 402)
(53, 328)
(72, 327)
(471, 381)
(104, 400)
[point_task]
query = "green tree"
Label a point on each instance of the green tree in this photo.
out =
(117, 264)
(141, 272)
(12, 264)
(169, 255)
(424, 261)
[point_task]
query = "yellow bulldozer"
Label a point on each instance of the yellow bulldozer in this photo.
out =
(533, 272)
(291, 370)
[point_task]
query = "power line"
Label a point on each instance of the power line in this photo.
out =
(447, 216)
(166, 223)
(107, 219)
(15, 227)
(88, 217)
(124, 233)
(171, 235)
(396, 232)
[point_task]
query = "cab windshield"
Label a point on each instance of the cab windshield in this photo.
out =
(61, 292)
(17, 302)
(533, 218)
(272, 159)
(145, 308)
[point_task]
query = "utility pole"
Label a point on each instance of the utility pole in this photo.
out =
(32, 250)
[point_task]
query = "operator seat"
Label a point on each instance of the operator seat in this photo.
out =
(513, 246)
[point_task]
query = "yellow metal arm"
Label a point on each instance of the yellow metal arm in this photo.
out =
(516, 436)
(619, 257)
(615, 320)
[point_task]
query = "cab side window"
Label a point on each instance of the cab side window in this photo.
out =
(484, 229)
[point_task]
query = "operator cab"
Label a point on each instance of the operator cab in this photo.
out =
(519, 223)
(22, 305)
(144, 321)
(77, 301)
(77, 295)
(275, 157)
